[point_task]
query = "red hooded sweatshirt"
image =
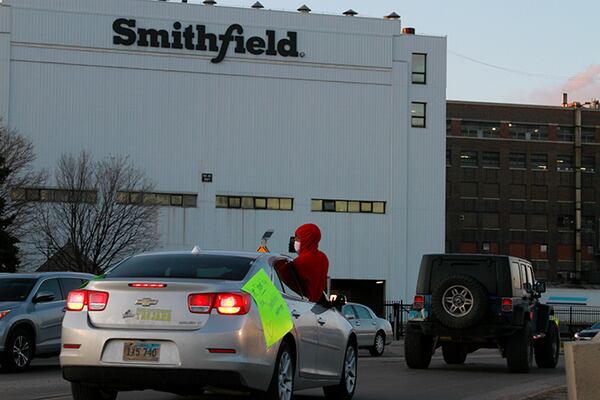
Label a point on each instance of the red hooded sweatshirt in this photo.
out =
(311, 264)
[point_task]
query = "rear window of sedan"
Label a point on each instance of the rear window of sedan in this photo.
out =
(186, 266)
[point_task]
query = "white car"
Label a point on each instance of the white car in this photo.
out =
(374, 333)
(180, 322)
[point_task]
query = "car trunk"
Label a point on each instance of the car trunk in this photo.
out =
(164, 308)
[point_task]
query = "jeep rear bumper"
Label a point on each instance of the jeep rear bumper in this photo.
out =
(474, 334)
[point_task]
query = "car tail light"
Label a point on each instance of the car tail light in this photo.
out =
(4, 313)
(224, 303)
(507, 305)
(148, 285)
(200, 303)
(232, 303)
(419, 302)
(94, 300)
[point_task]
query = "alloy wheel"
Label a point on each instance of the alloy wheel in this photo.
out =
(21, 351)
(350, 369)
(285, 377)
(379, 344)
(458, 301)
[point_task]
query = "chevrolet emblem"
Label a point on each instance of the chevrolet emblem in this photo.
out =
(146, 302)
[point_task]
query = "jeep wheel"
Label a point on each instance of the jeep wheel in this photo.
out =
(459, 301)
(418, 349)
(547, 349)
(454, 354)
(519, 350)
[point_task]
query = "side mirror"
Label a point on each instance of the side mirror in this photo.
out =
(527, 287)
(291, 248)
(43, 297)
(540, 287)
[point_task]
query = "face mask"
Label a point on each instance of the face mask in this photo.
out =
(297, 246)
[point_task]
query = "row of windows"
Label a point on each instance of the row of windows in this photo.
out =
(91, 196)
(256, 203)
(54, 195)
(519, 222)
(518, 131)
(537, 161)
(348, 206)
(158, 199)
(537, 251)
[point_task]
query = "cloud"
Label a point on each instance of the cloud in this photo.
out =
(581, 87)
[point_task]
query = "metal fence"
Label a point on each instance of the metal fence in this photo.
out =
(571, 318)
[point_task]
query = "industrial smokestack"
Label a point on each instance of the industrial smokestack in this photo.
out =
(565, 100)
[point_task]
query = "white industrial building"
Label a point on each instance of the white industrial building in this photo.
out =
(288, 111)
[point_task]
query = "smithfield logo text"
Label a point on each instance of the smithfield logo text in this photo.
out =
(195, 37)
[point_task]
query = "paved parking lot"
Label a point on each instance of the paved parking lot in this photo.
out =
(484, 376)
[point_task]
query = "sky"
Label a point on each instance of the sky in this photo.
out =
(515, 51)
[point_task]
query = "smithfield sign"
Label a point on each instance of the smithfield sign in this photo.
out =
(195, 37)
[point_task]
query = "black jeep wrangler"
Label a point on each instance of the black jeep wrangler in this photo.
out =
(466, 302)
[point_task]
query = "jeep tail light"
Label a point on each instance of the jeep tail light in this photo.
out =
(200, 303)
(94, 300)
(232, 303)
(507, 305)
(419, 302)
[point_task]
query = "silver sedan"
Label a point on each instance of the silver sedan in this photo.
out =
(374, 333)
(180, 323)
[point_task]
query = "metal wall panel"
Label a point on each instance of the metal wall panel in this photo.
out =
(335, 126)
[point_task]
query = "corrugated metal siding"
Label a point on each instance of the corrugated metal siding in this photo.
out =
(282, 128)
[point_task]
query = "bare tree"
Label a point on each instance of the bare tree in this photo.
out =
(17, 152)
(99, 216)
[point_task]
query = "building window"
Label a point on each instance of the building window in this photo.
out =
(448, 158)
(468, 158)
(490, 159)
(418, 114)
(53, 195)
(490, 221)
(564, 163)
(157, 199)
(517, 160)
(565, 222)
(539, 162)
(565, 133)
(517, 222)
(539, 222)
(480, 129)
(528, 132)
(588, 135)
(348, 206)
(588, 223)
(419, 68)
(255, 203)
(588, 164)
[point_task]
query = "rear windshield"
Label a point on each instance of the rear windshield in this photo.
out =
(187, 266)
(15, 289)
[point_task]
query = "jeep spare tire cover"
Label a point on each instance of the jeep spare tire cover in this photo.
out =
(459, 301)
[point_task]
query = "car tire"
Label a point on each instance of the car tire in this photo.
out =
(547, 350)
(459, 301)
(19, 352)
(519, 350)
(454, 354)
(81, 391)
(282, 382)
(418, 349)
(378, 345)
(347, 386)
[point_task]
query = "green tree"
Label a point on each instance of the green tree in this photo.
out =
(9, 257)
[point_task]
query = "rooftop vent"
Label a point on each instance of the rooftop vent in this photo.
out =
(350, 13)
(257, 5)
(304, 9)
(392, 16)
(209, 2)
(408, 31)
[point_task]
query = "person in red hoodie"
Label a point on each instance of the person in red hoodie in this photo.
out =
(311, 265)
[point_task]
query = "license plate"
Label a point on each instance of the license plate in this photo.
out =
(141, 351)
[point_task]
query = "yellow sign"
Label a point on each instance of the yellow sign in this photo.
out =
(262, 249)
(143, 314)
(273, 310)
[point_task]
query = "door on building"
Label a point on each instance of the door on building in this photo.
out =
(368, 292)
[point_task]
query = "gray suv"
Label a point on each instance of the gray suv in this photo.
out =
(32, 307)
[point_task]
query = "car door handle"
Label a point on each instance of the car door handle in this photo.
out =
(64, 309)
(357, 323)
(321, 321)
(295, 314)
(373, 323)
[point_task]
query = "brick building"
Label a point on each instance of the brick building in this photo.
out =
(512, 185)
